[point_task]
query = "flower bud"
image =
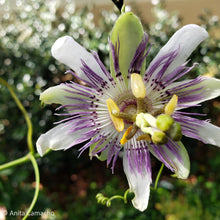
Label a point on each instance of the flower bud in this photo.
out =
(164, 122)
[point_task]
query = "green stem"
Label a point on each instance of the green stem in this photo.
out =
(22, 109)
(120, 197)
(158, 176)
(118, 3)
(37, 186)
(116, 197)
(30, 156)
(18, 161)
(26, 158)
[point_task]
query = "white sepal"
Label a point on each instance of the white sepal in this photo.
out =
(58, 138)
(56, 95)
(69, 52)
(181, 165)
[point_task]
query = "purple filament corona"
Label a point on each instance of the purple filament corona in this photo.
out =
(88, 116)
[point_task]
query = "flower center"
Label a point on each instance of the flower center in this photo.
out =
(133, 111)
(130, 109)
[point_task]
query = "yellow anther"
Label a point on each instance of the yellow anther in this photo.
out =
(137, 86)
(118, 122)
(171, 105)
(124, 139)
(144, 137)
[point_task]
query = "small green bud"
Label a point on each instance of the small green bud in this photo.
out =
(175, 132)
(159, 137)
(164, 122)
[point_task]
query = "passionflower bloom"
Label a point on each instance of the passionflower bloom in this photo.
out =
(131, 109)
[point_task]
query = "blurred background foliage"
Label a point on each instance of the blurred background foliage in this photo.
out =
(28, 28)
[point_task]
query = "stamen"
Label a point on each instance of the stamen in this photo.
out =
(118, 122)
(137, 86)
(145, 120)
(133, 131)
(124, 138)
(171, 105)
(159, 137)
(125, 116)
(147, 123)
(140, 120)
(144, 137)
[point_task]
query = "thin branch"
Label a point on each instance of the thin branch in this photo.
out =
(37, 185)
(158, 176)
(23, 110)
(118, 3)
(18, 161)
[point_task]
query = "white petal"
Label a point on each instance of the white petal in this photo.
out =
(55, 94)
(179, 164)
(210, 134)
(210, 90)
(202, 130)
(70, 53)
(58, 138)
(212, 87)
(183, 166)
(139, 184)
(186, 40)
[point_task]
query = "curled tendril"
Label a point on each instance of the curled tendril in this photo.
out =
(101, 199)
